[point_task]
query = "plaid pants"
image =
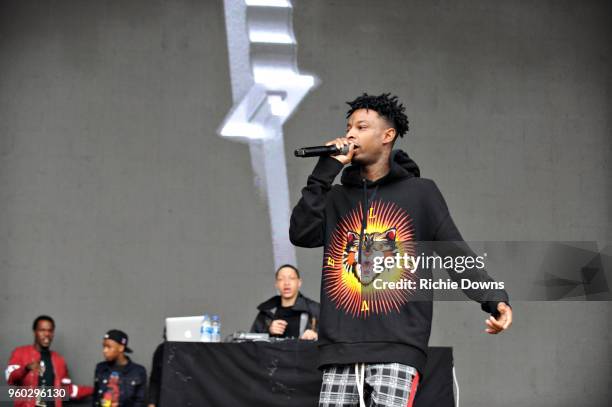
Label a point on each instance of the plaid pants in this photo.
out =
(382, 384)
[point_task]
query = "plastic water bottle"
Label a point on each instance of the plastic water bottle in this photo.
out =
(216, 329)
(205, 329)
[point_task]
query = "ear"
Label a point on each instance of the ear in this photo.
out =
(351, 237)
(389, 135)
(390, 233)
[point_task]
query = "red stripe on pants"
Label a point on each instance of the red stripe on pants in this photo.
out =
(413, 389)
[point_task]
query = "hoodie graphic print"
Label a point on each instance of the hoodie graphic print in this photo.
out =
(349, 273)
(357, 221)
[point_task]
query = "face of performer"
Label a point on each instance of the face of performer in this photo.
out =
(112, 350)
(288, 283)
(371, 132)
(43, 334)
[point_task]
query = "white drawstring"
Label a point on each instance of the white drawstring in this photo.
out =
(456, 384)
(360, 380)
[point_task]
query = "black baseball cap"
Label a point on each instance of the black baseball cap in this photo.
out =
(118, 336)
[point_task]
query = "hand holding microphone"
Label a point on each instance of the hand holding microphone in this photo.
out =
(341, 144)
(341, 149)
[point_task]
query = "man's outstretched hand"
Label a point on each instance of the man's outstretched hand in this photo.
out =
(495, 326)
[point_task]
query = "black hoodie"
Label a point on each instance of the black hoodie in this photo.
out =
(358, 323)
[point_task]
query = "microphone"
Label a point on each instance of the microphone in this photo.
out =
(320, 151)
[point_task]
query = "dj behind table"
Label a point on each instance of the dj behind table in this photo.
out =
(254, 370)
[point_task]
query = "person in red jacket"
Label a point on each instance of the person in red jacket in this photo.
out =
(35, 365)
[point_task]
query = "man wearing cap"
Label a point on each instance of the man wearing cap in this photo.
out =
(118, 381)
(36, 365)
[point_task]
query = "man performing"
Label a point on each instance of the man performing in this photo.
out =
(373, 342)
(289, 314)
(35, 365)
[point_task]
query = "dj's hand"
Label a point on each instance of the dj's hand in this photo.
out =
(341, 142)
(277, 327)
(310, 335)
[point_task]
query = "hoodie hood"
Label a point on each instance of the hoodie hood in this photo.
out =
(400, 166)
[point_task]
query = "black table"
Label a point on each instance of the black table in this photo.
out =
(270, 374)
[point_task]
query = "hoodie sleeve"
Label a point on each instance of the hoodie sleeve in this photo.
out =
(307, 227)
(449, 242)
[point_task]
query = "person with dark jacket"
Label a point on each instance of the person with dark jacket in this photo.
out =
(289, 314)
(118, 381)
(154, 389)
(382, 208)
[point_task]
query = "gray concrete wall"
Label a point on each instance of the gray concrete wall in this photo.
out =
(120, 206)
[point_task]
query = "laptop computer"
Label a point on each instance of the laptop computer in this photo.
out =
(183, 329)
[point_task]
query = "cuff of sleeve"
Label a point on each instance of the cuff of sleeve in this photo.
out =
(327, 168)
(490, 307)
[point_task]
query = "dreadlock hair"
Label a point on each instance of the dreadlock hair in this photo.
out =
(385, 105)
